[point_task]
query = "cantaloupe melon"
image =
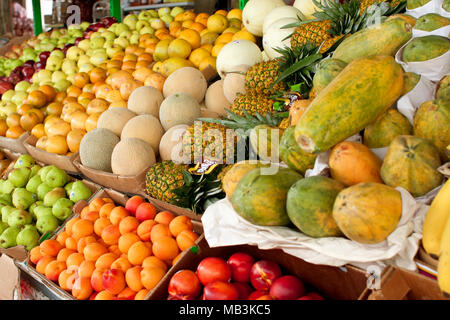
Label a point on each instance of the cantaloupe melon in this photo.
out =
(170, 147)
(186, 80)
(215, 99)
(145, 127)
(254, 13)
(96, 148)
(235, 53)
(132, 151)
(281, 13)
(234, 82)
(179, 108)
(145, 100)
(114, 119)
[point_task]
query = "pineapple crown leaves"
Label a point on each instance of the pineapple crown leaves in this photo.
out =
(199, 191)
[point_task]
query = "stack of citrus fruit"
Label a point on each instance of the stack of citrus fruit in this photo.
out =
(114, 252)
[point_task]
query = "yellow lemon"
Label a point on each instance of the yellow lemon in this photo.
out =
(179, 48)
(217, 23)
(198, 55)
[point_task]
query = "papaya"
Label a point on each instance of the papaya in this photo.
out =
(425, 48)
(380, 39)
(297, 110)
(235, 174)
(293, 155)
(411, 163)
(368, 212)
(327, 70)
(408, 18)
(265, 141)
(432, 122)
(446, 5)
(443, 88)
(359, 94)
(310, 206)
(410, 81)
(431, 21)
(261, 198)
(380, 133)
(352, 163)
(414, 4)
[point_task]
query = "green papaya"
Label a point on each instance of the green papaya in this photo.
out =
(261, 141)
(326, 71)
(261, 198)
(381, 39)
(443, 88)
(362, 92)
(310, 206)
(414, 4)
(431, 21)
(293, 155)
(410, 81)
(425, 48)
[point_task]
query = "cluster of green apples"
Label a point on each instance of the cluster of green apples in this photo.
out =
(36, 200)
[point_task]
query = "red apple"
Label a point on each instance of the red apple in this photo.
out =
(220, 290)
(240, 264)
(29, 63)
(287, 288)
(28, 72)
(108, 21)
(305, 298)
(39, 66)
(43, 56)
(213, 268)
(5, 86)
(263, 273)
(133, 203)
(93, 295)
(184, 285)
(78, 40)
(145, 211)
(256, 294)
(244, 290)
(315, 296)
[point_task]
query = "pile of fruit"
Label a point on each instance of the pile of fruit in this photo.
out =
(111, 252)
(35, 201)
(4, 163)
(239, 277)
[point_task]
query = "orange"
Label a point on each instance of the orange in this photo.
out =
(57, 144)
(142, 73)
(128, 224)
(49, 91)
(73, 91)
(141, 294)
(74, 260)
(111, 234)
(93, 251)
(73, 140)
(217, 23)
(61, 238)
(69, 224)
(224, 38)
(71, 243)
(222, 12)
(198, 55)
(187, 23)
(158, 231)
(117, 214)
(86, 269)
(164, 217)
(63, 254)
(35, 254)
(38, 131)
(81, 79)
(126, 241)
(3, 127)
(155, 80)
(165, 248)
(192, 37)
(14, 132)
(151, 276)
(121, 263)
(50, 247)
(82, 228)
(138, 252)
(208, 61)
(60, 96)
(100, 224)
(96, 204)
(179, 224)
(216, 49)
(83, 242)
(186, 239)
(130, 85)
(133, 278)
(197, 26)
(37, 98)
(153, 262)
(105, 261)
(106, 209)
(42, 263)
(144, 229)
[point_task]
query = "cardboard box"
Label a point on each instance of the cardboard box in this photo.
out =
(119, 199)
(348, 283)
(15, 145)
(14, 41)
(9, 280)
(63, 162)
(125, 184)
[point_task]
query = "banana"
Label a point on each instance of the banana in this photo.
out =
(444, 261)
(434, 224)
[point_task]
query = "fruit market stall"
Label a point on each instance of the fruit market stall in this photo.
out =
(268, 152)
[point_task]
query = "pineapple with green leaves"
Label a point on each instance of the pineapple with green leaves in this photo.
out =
(252, 103)
(260, 78)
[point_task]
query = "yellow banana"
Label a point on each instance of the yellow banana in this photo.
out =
(434, 224)
(444, 260)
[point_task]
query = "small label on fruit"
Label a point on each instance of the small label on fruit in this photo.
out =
(205, 167)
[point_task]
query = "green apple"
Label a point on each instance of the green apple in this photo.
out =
(113, 49)
(8, 237)
(84, 25)
(97, 42)
(176, 11)
(56, 177)
(24, 161)
(28, 237)
(79, 192)
(167, 18)
(55, 34)
(57, 53)
(58, 75)
(130, 20)
(45, 75)
(82, 60)
(69, 67)
(3, 226)
(153, 13)
(47, 223)
(22, 85)
(109, 35)
(98, 58)
(51, 197)
(62, 208)
(54, 63)
(19, 97)
(42, 190)
(163, 11)
(62, 85)
(134, 39)
(8, 95)
(19, 177)
(121, 27)
(33, 184)
(74, 53)
(6, 199)
(126, 34)
(84, 44)
(6, 187)
(19, 218)
(142, 23)
(122, 42)
(22, 198)
(87, 67)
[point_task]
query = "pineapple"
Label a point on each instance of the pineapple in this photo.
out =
(365, 4)
(163, 178)
(260, 78)
(200, 143)
(333, 22)
(252, 103)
